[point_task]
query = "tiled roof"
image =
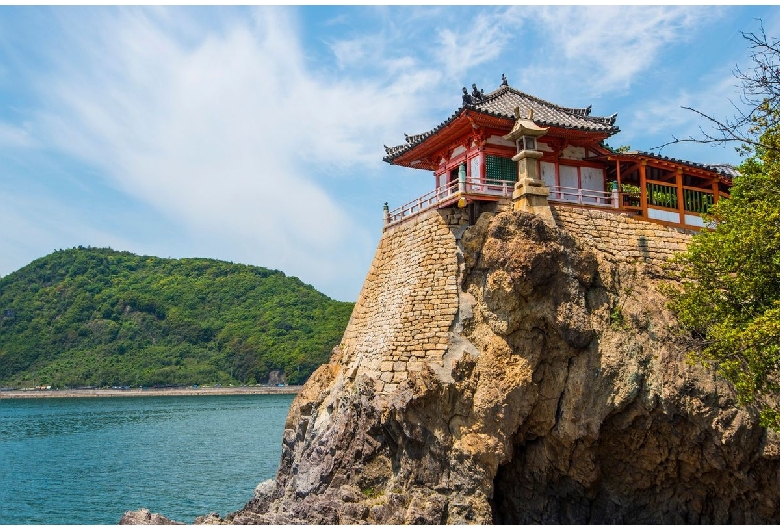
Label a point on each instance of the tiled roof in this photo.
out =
(726, 170)
(501, 103)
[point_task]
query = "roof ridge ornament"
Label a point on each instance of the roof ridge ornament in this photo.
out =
(504, 82)
(476, 93)
(466, 97)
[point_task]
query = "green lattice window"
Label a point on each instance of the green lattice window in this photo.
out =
(499, 168)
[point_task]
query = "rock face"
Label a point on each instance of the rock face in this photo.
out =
(144, 516)
(510, 372)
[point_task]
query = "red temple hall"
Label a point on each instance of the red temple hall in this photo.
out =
(498, 144)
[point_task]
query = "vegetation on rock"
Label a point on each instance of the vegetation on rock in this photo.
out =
(730, 295)
(88, 316)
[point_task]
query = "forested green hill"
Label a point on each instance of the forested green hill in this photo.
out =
(89, 316)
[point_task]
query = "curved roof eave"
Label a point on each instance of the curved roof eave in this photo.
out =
(592, 124)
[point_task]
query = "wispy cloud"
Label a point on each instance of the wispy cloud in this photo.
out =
(14, 136)
(605, 49)
(260, 140)
(663, 119)
(232, 136)
(476, 41)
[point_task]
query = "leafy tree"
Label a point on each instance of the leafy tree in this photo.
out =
(729, 297)
(90, 316)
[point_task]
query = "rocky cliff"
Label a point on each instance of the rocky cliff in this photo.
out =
(510, 372)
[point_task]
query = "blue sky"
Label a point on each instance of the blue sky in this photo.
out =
(255, 135)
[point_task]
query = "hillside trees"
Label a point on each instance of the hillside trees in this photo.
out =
(729, 298)
(99, 317)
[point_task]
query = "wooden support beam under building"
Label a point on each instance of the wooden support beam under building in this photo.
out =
(678, 182)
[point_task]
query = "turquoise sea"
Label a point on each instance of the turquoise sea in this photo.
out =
(88, 460)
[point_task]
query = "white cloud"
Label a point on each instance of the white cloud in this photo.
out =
(232, 136)
(232, 130)
(606, 48)
(479, 41)
(667, 113)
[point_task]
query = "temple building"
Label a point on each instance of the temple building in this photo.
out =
(509, 145)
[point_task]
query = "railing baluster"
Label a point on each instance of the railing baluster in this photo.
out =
(502, 188)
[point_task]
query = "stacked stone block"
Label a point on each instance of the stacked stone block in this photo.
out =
(619, 237)
(405, 312)
(408, 302)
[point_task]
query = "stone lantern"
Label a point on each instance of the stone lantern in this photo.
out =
(530, 193)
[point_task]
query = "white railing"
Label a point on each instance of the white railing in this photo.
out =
(581, 196)
(425, 202)
(494, 188)
(498, 188)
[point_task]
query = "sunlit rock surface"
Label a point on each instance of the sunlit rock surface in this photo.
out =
(511, 372)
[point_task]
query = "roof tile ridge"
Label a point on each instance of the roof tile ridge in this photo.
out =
(496, 93)
(568, 110)
(690, 163)
(580, 112)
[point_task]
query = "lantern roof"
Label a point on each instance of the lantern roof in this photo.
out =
(525, 127)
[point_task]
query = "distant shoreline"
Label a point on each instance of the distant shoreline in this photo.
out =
(136, 392)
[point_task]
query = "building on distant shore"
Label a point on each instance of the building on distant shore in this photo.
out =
(494, 141)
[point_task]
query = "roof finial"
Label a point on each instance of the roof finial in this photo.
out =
(466, 97)
(504, 82)
(531, 114)
(477, 94)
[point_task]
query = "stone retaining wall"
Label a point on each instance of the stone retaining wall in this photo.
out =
(619, 237)
(410, 298)
(408, 302)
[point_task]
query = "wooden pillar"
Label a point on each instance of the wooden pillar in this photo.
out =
(678, 181)
(715, 189)
(643, 188)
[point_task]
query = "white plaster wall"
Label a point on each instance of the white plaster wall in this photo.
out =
(592, 178)
(548, 173)
(476, 167)
(663, 215)
(693, 220)
(568, 176)
(541, 146)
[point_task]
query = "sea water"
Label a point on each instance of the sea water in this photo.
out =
(88, 460)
